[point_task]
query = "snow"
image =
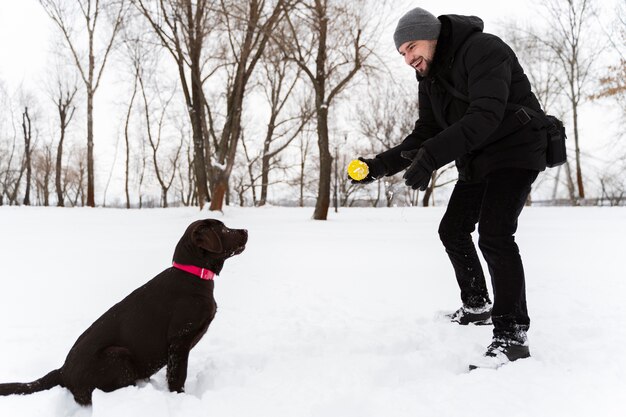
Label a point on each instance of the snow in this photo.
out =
(322, 319)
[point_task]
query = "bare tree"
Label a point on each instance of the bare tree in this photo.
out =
(283, 126)
(11, 165)
(92, 66)
(74, 177)
(155, 140)
(43, 169)
(134, 54)
(4, 148)
(242, 186)
(244, 174)
(613, 82)
(540, 65)
(245, 29)
(249, 24)
(63, 97)
(329, 44)
(143, 58)
(15, 155)
(140, 167)
(569, 40)
(12, 172)
(613, 188)
(28, 139)
(129, 111)
(183, 27)
(186, 184)
(303, 180)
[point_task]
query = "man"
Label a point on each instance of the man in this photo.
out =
(471, 92)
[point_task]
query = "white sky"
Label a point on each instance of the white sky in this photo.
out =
(24, 33)
(25, 30)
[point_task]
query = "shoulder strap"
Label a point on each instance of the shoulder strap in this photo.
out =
(509, 106)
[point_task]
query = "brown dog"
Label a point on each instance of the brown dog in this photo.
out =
(155, 326)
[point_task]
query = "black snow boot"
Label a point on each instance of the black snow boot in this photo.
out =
(475, 315)
(500, 352)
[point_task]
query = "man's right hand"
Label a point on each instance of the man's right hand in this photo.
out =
(376, 169)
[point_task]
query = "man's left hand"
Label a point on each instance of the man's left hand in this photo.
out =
(421, 169)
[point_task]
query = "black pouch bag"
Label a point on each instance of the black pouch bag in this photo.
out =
(556, 154)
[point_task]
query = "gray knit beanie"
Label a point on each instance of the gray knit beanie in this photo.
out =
(416, 24)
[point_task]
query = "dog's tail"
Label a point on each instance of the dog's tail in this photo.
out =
(49, 381)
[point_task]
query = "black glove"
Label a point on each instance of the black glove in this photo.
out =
(418, 174)
(376, 168)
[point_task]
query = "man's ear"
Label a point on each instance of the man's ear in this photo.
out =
(205, 237)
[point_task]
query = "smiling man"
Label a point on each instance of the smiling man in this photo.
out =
(475, 108)
(419, 55)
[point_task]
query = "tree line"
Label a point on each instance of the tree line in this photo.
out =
(234, 101)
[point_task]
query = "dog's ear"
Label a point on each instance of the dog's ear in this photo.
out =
(205, 237)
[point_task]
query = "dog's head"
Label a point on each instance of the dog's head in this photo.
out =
(208, 243)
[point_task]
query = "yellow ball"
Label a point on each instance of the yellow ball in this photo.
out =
(357, 170)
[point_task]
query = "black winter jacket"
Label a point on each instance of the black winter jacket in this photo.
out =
(481, 136)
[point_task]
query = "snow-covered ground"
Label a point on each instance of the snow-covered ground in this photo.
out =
(322, 319)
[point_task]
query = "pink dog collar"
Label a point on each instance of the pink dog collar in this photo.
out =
(205, 274)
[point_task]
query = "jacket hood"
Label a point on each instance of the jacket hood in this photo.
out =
(455, 29)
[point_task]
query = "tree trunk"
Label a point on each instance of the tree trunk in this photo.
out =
(59, 168)
(127, 143)
(197, 126)
(265, 160)
(265, 174)
(228, 149)
(326, 165)
(27, 141)
(164, 196)
(219, 192)
(46, 189)
(302, 170)
(570, 184)
(556, 183)
(91, 201)
(579, 174)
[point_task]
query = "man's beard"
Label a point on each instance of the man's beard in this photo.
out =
(427, 64)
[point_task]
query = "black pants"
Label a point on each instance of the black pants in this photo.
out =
(495, 204)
